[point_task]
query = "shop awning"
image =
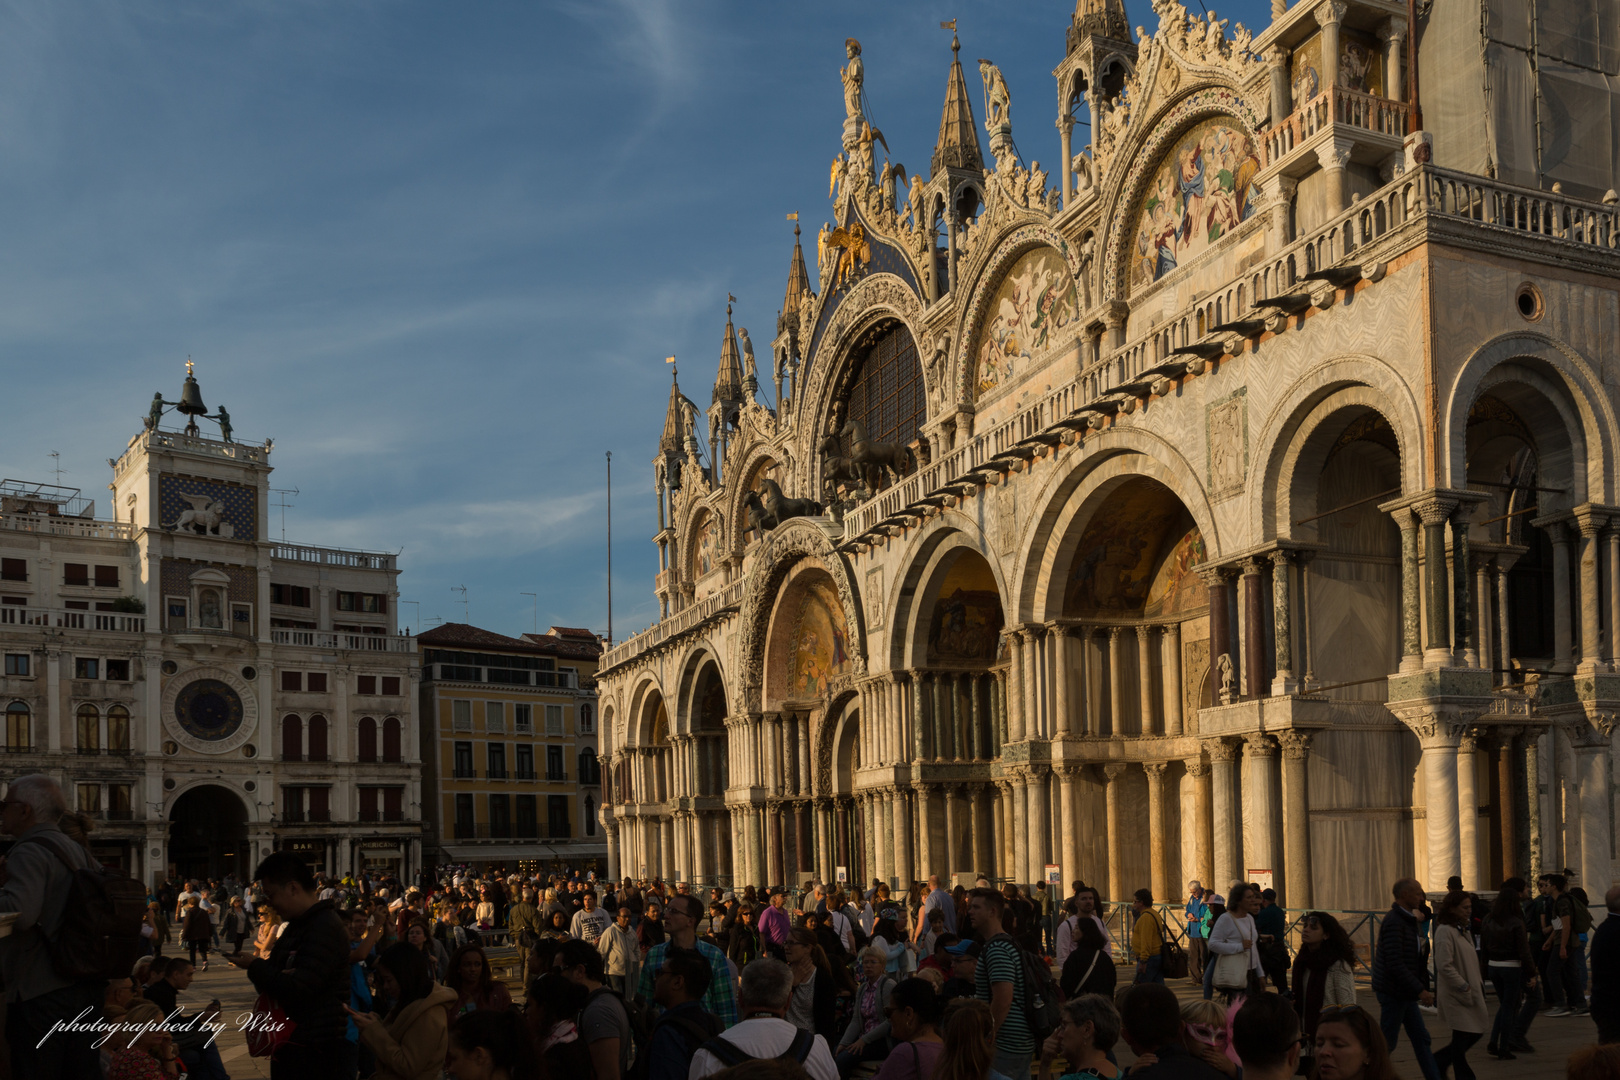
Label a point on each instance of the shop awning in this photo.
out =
(468, 853)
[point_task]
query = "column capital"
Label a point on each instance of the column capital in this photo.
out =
(1198, 769)
(1435, 728)
(1144, 631)
(1114, 632)
(1330, 13)
(1280, 557)
(1295, 744)
(1114, 770)
(1251, 565)
(1394, 29)
(1434, 510)
(1067, 772)
(1216, 576)
(1221, 750)
(1260, 746)
(1155, 770)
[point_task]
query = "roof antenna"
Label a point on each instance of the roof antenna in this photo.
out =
(56, 456)
(462, 589)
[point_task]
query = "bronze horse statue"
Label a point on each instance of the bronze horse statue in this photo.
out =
(836, 467)
(770, 510)
(874, 457)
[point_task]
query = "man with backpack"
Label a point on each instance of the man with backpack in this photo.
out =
(999, 981)
(52, 966)
(683, 1026)
(764, 1032)
(604, 1021)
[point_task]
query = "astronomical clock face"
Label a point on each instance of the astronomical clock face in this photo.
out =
(208, 709)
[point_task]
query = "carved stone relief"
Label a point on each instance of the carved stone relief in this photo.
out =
(1228, 435)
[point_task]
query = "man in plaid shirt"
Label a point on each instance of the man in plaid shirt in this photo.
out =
(681, 915)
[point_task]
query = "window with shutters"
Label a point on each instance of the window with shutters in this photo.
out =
(119, 806)
(13, 569)
(292, 804)
(292, 682)
(118, 730)
(495, 716)
(590, 816)
(366, 740)
(19, 727)
(497, 761)
(320, 804)
(461, 716)
(554, 764)
(390, 733)
(292, 738)
(557, 816)
(464, 761)
(89, 729)
(393, 804)
(554, 719)
(390, 685)
(75, 573)
(317, 682)
(465, 828)
(106, 577)
(525, 761)
(528, 824)
(368, 804)
(367, 685)
(317, 738)
(500, 817)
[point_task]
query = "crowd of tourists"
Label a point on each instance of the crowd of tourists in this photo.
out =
(641, 980)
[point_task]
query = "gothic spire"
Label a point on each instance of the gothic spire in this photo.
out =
(1098, 18)
(674, 421)
(728, 382)
(798, 286)
(958, 145)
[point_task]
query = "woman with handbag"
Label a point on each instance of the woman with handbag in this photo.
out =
(1235, 943)
(1147, 938)
(1088, 969)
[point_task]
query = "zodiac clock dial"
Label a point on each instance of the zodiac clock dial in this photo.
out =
(208, 709)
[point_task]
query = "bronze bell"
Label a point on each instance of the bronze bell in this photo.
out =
(191, 402)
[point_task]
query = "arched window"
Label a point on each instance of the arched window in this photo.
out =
(590, 770)
(590, 816)
(886, 394)
(390, 733)
(368, 739)
(118, 729)
(89, 729)
(292, 738)
(19, 735)
(317, 738)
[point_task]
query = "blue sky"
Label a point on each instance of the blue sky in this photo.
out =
(439, 251)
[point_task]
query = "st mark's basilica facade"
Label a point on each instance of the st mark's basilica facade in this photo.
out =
(1236, 501)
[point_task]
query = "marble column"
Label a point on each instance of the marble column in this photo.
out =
(613, 871)
(1016, 703)
(1440, 796)
(975, 796)
(1224, 813)
(1116, 874)
(919, 717)
(1260, 822)
(1534, 854)
(1068, 823)
(1061, 720)
(1506, 802)
(1611, 540)
(1254, 643)
(1002, 832)
(1468, 814)
(884, 823)
(1116, 680)
(1437, 646)
(1411, 597)
(1393, 35)
(826, 857)
(689, 853)
(1083, 722)
(1197, 851)
(1467, 650)
(1065, 126)
(671, 870)
(905, 840)
(1032, 682)
(1144, 680)
(1296, 891)
(1484, 624)
(1589, 526)
(1040, 811)
(927, 862)
(1020, 827)
(1170, 665)
(1592, 764)
(1563, 646)
(1220, 630)
(939, 699)
(1302, 619)
(1158, 878)
(962, 711)
(952, 855)
(977, 743)
(1282, 622)
(1329, 16)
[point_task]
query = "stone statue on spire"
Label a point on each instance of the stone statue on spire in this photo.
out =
(854, 77)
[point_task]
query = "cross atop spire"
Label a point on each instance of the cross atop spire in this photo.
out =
(958, 145)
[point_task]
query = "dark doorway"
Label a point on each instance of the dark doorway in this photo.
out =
(208, 834)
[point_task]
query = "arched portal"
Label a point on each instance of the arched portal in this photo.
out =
(708, 724)
(208, 834)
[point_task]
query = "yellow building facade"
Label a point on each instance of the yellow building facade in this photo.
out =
(510, 774)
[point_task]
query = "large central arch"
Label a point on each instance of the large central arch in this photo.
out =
(208, 834)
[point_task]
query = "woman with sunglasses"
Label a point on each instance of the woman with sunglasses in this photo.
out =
(1324, 972)
(1459, 990)
(1349, 1046)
